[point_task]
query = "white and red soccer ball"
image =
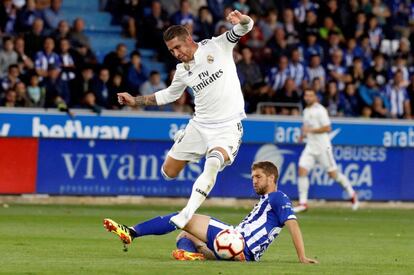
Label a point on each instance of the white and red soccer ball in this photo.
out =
(229, 244)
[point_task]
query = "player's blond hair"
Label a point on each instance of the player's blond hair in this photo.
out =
(175, 31)
(268, 168)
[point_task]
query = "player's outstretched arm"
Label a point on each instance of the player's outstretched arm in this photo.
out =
(297, 239)
(129, 100)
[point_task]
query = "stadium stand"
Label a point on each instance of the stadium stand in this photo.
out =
(310, 42)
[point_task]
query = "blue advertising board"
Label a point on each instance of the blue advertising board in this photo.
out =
(161, 126)
(127, 167)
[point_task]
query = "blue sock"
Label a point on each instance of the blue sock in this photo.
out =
(186, 244)
(156, 226)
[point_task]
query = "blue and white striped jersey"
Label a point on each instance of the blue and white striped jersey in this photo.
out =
(265, 222)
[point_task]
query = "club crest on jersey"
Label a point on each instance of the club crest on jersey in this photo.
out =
(210, 59)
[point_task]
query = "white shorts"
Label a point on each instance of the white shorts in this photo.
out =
(197, 141)
(308, 159)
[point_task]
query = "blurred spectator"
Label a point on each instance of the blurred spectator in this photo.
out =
(100, 87)
(34, 38)
(132, 14)
(116, 60)
(378, 70)
(115, 87)
(248, 70)
(12, 77)
(22, 98)
(254, 40)
(290, 27)
(375, 33)
(183, 15)
(278, 75)
(369, 90)
(52, 15)
(67, 63)
(269, 24)
(400, 64)
(8, 14)
(356, 72)
(349, 102)
(311, 47)
(296, 68)
(361, 21)
(9, 99)
(36, 93)
(331, 98)
(23, 60)
(381, 11)
(336, 71)
(277, 45)
(81, 85)
(136, 74)
(154, 25)
(398, 97)
(302, 7)
(328, 27)
(204, 26)
(153, 84)
(315, 70)
(7, 55)
(378, 108)
(77, 36)
(62, 31)
(26, 16)
(351, 52)
(309, 25)
(44, 59)
(57, 91)
(89, 102)
(288, 95)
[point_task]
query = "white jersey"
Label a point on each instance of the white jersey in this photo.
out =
(212, 76)
(316, 117)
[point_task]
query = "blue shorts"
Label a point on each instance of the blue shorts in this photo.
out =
(214, 227)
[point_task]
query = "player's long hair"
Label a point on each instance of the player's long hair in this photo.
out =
(268, 168)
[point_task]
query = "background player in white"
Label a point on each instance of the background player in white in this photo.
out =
(259, 228)
(215, 130)
(316, 128)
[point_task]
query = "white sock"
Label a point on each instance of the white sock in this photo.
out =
(303, 187)
(345, 184)
(202, 186)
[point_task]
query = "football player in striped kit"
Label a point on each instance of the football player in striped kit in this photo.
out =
(259, 228)
(215, 131)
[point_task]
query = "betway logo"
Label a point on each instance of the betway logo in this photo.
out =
(74, 128)
(4, 130)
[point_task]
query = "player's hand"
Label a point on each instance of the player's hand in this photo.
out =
(306, 260)
(235, 17)
(126, 99)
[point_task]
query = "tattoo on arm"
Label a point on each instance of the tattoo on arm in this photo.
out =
(146, 100)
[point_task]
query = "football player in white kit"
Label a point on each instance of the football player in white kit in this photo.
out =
(316, 128)
(215, 131)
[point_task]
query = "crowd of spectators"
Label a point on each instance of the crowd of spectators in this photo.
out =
(356, 54)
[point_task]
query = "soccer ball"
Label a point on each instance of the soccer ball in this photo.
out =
(228, 244)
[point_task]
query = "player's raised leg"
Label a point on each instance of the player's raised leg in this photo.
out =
(215, 159)
(303, 189)
(347, 186)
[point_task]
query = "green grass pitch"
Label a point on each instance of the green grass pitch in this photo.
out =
(54, 239)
